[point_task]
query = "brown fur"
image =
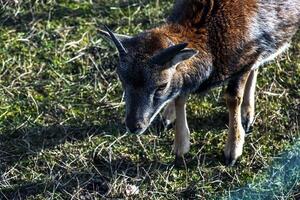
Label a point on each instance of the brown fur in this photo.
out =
(232, 37)
(219, 38)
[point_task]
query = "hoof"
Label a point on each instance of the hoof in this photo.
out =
(179, 162)
(232, 153)
(248, 126)
(183, 162)
(229, 161)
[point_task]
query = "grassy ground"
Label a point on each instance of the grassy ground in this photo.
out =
(61, 111)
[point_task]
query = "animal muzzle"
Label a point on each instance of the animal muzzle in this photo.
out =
(136, 126)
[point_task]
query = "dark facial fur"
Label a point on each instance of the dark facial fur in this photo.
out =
(148, 87)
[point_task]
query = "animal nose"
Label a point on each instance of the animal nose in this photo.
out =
(136, 128)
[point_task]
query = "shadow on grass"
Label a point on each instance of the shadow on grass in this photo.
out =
(96, 183)
(24, 20)
(99, 183)
(18, 145)
(21, 144)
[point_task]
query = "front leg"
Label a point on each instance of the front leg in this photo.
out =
(182, 132)
(236, 136)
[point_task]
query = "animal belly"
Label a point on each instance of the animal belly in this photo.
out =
(267, 57)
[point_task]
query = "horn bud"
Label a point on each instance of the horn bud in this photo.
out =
(117, 42)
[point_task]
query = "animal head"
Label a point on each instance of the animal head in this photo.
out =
(148, 72)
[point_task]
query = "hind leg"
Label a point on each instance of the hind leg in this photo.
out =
(236, 133)
(166, 119)
(248, 105)
(169, 113)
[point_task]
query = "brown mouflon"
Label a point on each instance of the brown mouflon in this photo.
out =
(203, 44)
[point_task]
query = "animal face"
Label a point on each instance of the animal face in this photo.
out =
(147, 70)
(147, 90)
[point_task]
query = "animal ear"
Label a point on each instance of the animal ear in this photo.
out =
(173, 55)
(166, 55)
(183, 55)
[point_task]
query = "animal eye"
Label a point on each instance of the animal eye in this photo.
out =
(160, 89)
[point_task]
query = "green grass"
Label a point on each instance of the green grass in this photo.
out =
(61, 115)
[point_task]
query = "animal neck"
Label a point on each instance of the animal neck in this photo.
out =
(195, 71)
(192, 13)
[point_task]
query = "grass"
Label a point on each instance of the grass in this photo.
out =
(61, 115)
